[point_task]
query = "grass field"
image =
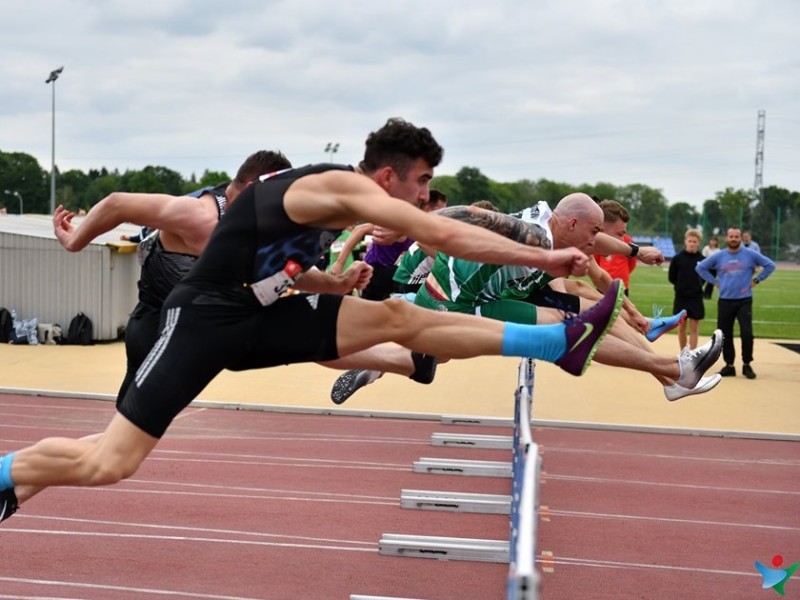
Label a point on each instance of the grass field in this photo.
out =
(776, 302)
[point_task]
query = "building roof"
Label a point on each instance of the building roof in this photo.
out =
(41, 226)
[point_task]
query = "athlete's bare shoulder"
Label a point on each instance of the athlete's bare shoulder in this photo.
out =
(335, 198)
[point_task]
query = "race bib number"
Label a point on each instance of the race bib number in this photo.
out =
(270, 288)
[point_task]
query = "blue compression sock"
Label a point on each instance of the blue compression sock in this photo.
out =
(547, 342)
(5, 472)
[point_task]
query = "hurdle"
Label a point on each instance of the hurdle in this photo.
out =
(519, 550)
(523, 579)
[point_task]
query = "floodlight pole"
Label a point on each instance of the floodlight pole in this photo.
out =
(331, 149)
(52, 79)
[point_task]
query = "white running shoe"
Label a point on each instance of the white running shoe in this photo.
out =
(695, 363)
(706, 384)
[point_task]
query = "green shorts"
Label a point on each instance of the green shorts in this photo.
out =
(514, 311)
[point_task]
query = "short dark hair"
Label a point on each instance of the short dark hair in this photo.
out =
(485, 205)
(613, 211)
(436, 196)
(261, 163)
(397, 144)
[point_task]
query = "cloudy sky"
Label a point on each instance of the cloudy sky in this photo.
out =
(660, 92)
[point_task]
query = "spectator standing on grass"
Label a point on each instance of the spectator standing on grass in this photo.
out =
(736, 277)
(749, 242)
(710, 248)
(688, 288)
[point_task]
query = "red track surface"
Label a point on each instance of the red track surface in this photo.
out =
(284, 506)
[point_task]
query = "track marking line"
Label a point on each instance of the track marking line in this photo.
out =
(116, 588)
(593, 515)
(690, 486)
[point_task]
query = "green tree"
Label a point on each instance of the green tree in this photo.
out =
(153, 179)
(449, 186)
(21, 174)
(734, 206)
(712, 220)
(648, 208)
(99, 188)
(71, 189)
(474, 185)
(523, 194)
(682, 216)
(776, 220)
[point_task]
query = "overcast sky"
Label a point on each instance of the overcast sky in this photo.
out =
(660, 92)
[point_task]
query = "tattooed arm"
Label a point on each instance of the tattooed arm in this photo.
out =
(506, 225)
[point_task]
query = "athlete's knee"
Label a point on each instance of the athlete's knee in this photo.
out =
(104, 468)
(399, 311)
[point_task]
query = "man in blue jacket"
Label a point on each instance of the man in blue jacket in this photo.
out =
(737, 273)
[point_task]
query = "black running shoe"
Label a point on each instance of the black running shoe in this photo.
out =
(424, 368)
(8, 504)
(348, 383)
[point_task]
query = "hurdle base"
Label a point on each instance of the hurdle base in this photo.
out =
(462, 440)
(444, 548)
(456, 502)
(452, 466)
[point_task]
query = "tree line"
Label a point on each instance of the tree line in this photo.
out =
(773, 216)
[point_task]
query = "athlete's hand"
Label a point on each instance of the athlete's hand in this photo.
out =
(356, 277)
(638, 320)
(650, 255)
(64, 229)
(567, 261)
(386, 237)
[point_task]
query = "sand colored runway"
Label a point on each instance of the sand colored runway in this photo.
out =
(481, 386)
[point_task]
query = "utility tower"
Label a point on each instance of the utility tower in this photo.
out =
(759, 182)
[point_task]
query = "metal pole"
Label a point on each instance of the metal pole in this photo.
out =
(52, 79)
(53, 154)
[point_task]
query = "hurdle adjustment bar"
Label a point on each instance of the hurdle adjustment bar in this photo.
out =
(456, 502)
(484, 421)
(463, 440)
(452, 466)
(444, 548)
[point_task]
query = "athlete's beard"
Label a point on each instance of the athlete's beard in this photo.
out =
(734, 245)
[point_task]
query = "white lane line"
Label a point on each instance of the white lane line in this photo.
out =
(612, 516)
(612, 564)
(187, 538)
(115, 588)
(627, 453)
(691, 486)
(202, 530)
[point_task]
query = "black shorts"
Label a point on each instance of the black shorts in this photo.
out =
(141, 334)
(203, 333)
(547, 297)
(381, 284)
(695, 309)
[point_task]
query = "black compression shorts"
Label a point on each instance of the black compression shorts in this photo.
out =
(202, 334)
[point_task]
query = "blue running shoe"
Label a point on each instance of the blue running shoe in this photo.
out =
(660, 325)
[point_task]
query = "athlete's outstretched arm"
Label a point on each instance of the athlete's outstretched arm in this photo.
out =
(180, 215)
(338, 198)
(506, 225)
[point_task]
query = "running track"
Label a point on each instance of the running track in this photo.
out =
(256, 505)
